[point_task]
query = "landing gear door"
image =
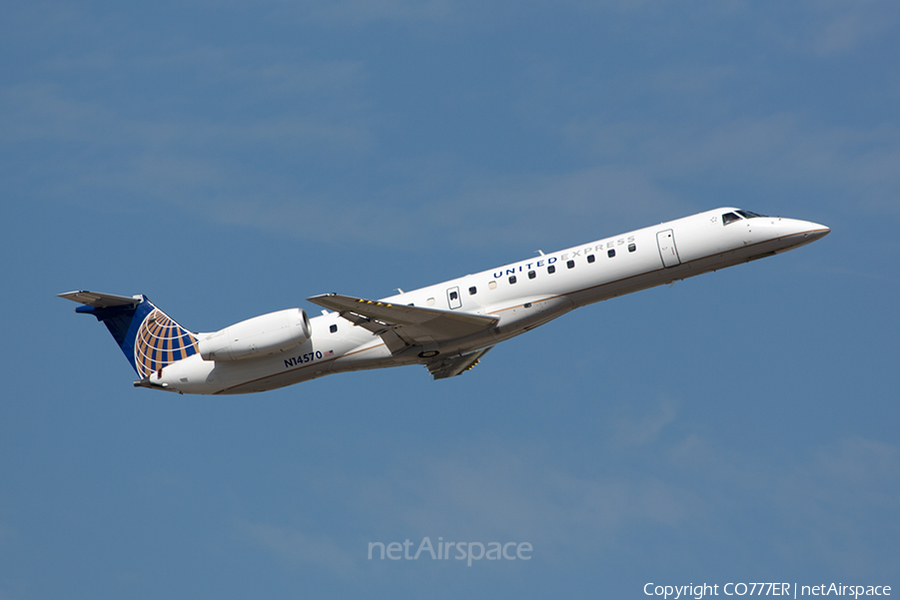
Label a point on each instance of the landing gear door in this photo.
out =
(453, 297)
(667, 250)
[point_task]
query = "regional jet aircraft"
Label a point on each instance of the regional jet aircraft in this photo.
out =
(447, 327)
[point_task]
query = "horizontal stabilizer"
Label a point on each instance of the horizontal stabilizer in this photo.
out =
(98, 300)
(402, 326)
(451, 367)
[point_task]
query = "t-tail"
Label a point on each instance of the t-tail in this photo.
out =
(150, 339)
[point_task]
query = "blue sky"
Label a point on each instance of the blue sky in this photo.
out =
(229, 160)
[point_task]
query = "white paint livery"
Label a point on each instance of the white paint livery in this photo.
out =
(448, 327)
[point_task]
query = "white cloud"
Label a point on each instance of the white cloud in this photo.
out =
(781, 149)
(636, 432)
(92, 147)
(588, 203)
(297, 549)
(870, 464)
(483, 212)
(488, 493)
(356, 12)
(823, 508)
(838, 28)
(624, 172)
(822, 505)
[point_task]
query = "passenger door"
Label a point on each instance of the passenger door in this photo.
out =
(667, 250)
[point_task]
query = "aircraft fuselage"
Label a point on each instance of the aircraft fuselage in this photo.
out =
(520, 296)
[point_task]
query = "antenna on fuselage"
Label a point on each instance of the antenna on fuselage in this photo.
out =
(541, 252)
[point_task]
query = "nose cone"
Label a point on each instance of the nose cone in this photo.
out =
(814, 231)
(795, 233)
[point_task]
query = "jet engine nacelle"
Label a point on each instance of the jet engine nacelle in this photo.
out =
(259, 336)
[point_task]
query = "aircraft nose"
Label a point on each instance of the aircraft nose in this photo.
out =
(799, 233)
(814, 231)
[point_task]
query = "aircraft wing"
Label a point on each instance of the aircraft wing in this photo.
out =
(402, 326)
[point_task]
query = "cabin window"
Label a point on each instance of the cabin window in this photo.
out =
(333, 329)
(492, 285)
(570, 264)
(591, 258)
(531, 274)
(729, 218)
(473, 290)
(632, 247)
(512, 279)
(611, 253)
(551, 269)
(454, 295)
(527, 305)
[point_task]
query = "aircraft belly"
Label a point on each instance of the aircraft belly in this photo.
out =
(525, 315)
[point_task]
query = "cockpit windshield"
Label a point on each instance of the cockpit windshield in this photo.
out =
(744, 214)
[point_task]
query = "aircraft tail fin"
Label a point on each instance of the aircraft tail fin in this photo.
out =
(149, 338)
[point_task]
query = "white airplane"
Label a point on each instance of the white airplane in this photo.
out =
(447, 327)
